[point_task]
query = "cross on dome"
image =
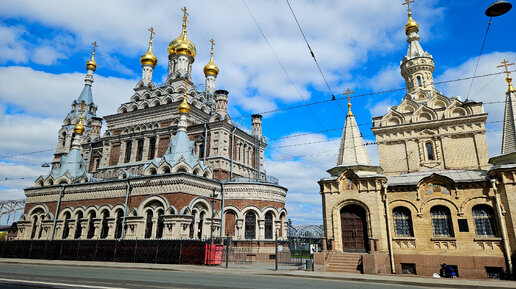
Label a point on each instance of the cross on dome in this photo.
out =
(348, 93)
(407, 2)
(506, 64)
(151, 34)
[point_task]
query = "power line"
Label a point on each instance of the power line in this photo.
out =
(280, 63)
(480, 54)
(368, 94)
(23, 154)
(315, 59)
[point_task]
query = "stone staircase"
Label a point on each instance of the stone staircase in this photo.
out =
(345, 262)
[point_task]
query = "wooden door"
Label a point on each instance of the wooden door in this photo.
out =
(353, 229)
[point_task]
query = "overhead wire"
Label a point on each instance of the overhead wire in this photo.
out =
(315, 59)
(369, 94)
(280, 63)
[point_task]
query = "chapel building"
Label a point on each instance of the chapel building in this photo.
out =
(436, 197)
(171, 164)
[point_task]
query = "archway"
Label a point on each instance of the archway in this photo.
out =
(354, 228)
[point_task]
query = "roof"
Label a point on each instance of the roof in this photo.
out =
(458, 176)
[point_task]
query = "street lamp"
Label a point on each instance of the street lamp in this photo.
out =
(498, 8)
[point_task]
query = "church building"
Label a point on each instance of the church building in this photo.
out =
(436, 197)
(170, 164)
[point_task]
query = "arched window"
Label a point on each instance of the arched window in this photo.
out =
(192, 225)
(128, 149)
(229, 223)
(419, 81)
(430, 151)
(268, 226)
(484, 220)
(200, 225)
(119, 220)
(105, 229)
(148, 225)
(78, 226)
(402, 222)
(139, 150)
(152, 148)
(91, 225)
(250, 225)
(66, 225)
(34, 227)
(441, 221)
(159, 229)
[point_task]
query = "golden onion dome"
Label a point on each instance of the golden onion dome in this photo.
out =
(184, 107)
(174, 43)
(411, 25)
(185, 47)
(149, 58)
(211, 68)
(79, 128)
(91, 64)
(509, 81)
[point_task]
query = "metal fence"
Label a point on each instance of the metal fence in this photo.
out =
(139, 251)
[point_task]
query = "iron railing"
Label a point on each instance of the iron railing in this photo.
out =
(138, 251)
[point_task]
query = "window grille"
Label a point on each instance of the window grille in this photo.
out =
(250, 225)
(402, 222)
(408, 268)
(441, 221)
(268, 226)
(484, 220)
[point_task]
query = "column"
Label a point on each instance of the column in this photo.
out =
(260, 235)
(121, 158)
(145, 152)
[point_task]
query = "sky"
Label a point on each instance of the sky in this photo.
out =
(264, 63)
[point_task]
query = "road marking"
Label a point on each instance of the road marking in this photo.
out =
(59, 284)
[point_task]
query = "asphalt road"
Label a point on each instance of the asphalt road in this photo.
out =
(40, 276)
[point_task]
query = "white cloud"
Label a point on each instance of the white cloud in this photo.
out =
(248, 67)
(47, 55)
(11, 48)
(486, 89)
(51, 95)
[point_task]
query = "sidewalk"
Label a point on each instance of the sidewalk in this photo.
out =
(266, 269)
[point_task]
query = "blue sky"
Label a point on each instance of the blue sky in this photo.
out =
(359, 45)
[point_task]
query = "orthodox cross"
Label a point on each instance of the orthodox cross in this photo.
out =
(348, 93)
(212, 43)
(407, 2)
(505, 64)
(151, 33)
(185, 16)
(95, 45)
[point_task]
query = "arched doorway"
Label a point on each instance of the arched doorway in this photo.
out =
(354, 228)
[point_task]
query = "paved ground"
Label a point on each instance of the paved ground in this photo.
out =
(22, 273)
